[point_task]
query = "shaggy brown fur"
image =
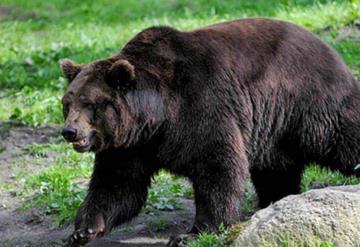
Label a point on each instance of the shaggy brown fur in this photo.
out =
(252, 96)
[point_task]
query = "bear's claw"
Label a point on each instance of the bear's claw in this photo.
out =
(81, 237)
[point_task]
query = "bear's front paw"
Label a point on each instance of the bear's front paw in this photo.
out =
(180, 240)
(87, 231)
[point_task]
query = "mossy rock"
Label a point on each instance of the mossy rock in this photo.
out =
(323, 217)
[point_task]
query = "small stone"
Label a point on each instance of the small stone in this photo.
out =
(13, 193)
(32, 218)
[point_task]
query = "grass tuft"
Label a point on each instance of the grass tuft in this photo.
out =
(317, 177)
(58, 189)
(165, 192)
(212, 240)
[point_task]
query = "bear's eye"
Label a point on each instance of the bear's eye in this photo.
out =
(88, 106)
(65, 109)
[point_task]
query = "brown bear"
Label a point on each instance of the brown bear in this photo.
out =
(252, 97)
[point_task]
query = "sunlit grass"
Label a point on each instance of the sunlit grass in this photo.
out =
(57, 188)
(212, 240)
(317, 177)
(30, 49)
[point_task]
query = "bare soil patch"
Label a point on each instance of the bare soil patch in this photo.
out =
(32, 228)
(12, 13)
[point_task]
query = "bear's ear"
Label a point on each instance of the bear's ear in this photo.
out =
(121, 74)
(70, 69)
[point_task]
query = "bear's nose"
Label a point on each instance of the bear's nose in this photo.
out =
(69, 133)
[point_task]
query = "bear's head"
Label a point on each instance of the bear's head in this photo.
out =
(107, 106)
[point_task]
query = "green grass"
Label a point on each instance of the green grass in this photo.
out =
(317, 177)
(211, 240)
(59, 188)
(36, 34)
(165, 191)
(56, 189)
(350, 51)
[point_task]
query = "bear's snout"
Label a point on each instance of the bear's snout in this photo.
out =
(69, 133)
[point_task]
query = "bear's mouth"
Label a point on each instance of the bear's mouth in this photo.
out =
(84, 144)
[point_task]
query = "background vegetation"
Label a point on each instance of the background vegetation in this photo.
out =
(36, 34)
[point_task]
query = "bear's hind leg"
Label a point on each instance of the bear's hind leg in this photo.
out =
(341, 150)
(344, 147)
(276, 180)
(344, 159)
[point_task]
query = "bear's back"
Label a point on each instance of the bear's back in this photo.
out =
(278, 47)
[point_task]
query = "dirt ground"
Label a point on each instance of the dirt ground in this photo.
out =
(31, 228)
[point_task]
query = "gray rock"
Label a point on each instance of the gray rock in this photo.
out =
(322, 216)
